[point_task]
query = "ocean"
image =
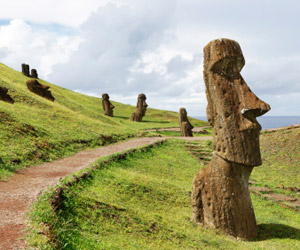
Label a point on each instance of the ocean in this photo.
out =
(270, 121)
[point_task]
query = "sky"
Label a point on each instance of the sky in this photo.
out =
(127, 47)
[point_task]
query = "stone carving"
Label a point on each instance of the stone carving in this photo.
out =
(220, 194)
(107, 106)
(34, 73)
(39, 89)
(25, 70)
(185, 125)
(141, 108)
(4, 96)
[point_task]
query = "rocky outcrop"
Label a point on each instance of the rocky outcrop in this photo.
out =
(39, 89)
(141, 108)
(107, 106)
(220, 194)
(4, 96)
(184, 123)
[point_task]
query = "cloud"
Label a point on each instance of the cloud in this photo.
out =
(20, 43)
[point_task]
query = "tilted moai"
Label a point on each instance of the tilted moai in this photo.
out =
(25, 69)
(42, 90)
(184, 123)
(141, 108)
(220, 194)
(4, 96)
(34, 73)
(107, 106)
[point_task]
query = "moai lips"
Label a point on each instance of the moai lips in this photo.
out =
(220, 195)
(141, 108)
(107, 106)
(40, 89)
(185, 125)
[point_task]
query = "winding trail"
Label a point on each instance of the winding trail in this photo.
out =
(19, 193)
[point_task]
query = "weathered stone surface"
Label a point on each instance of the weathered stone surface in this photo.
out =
(184, 123)
(34, 73)
(4, 96)
(25, 69)
(141, 108)
(107, 106)
(39, 89)
(220, 194)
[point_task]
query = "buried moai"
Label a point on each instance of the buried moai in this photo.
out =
(141, 108)
(184, 123)
(25, 69)
(4, 96)
(220, 194)
(39, 89)
(107, 106)
(34, 73)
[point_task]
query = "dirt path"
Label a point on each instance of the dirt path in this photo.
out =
(19, 193)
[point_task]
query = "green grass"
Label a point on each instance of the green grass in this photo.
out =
(143, 202)
(281, 161)
(176, 133)
(35, 130)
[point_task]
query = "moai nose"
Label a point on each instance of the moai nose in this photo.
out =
(254, 107)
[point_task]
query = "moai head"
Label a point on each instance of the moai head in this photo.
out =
(232, 107)
(40, 89)
(25, 69)
(141, 105)
(107, 106)
(4, 96)
(185, 125)
(34, 73)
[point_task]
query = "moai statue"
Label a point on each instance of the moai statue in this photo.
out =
(220, 194)
(4, 96)
(25, 70)
(34, 73)
(107, 106)
(184, 123)
(141, 108)
(39, 89)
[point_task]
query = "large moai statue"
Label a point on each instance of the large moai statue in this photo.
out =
(34, 73)
(107, 106)
(25, 69)
(141, 108)
(220, 194)
(4, 96)
(184, 123)
(42, 90)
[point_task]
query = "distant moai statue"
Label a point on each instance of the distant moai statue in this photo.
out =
(220, 194)
(4, 96)
(34, 73)
(25, 69)
(141, 106)
(42, 90)
(107, 106)
(185, 125)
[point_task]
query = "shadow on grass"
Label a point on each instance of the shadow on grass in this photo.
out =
(277, 231)
(122, 117)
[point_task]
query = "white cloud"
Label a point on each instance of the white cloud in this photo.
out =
(41, 49)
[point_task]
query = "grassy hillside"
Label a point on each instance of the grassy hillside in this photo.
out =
(143, 202)
(34, 130)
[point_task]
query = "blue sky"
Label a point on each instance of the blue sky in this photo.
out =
(127, 47)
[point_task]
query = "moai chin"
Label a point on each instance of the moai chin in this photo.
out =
(184, 123)
(42, 90)
(107, 106)
(220, 194)
(141, 108)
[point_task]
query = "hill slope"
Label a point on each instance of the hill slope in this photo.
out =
(34, 129)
